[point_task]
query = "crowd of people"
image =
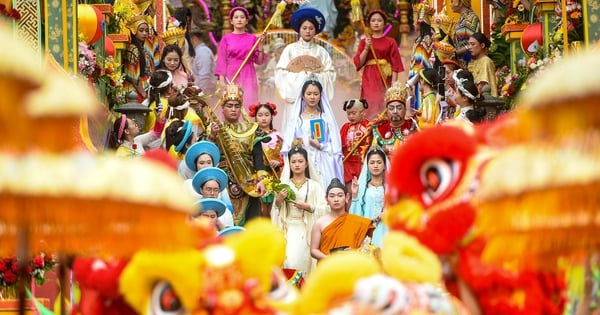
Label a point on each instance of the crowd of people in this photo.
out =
(334, 176)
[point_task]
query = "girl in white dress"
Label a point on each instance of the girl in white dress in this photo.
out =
(296, 217)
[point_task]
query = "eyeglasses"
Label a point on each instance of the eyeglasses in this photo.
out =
(231, 106)
(398, 108)
(211, 190)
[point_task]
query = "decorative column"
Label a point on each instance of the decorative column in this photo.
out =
(29, 26)
(225, 8)
(591, 21)
(513, 33)
(546, 8)
(61, 32)
(403, 7)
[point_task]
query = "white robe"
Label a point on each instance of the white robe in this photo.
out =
(289, 84)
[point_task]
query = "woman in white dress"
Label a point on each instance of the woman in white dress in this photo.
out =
(304, 59)
(323, 145)
(296, 217)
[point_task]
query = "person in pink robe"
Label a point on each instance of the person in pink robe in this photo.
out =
(233, 49)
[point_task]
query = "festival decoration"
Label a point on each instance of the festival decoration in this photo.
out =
(532, 39)
(109, 47)
(90, 23)
(36, 269)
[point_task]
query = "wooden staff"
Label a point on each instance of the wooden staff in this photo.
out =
(370, 126)
(276, 16)
(355, 16)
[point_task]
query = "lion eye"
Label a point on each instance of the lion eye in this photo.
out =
(437, 176)
(165, 300)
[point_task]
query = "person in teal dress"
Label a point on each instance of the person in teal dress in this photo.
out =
(368, 192)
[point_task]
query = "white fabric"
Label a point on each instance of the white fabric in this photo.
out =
(289, 84)
(297, 224)
(328, 160)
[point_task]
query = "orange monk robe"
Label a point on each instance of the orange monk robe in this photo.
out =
(347, 230)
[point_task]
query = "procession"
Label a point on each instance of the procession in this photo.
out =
(300, 157)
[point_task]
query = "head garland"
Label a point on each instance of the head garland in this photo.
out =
(255, 107)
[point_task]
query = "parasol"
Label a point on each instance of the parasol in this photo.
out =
(58, 197)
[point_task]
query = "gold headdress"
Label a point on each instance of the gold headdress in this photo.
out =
(143, 5)
(442, 21)
(397, 92)
(442, 49)
(135, 21)
(233, 92)
(173, 35)
(425, 11)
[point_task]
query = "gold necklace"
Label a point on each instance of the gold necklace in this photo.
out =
(312, 115)
(298, 185)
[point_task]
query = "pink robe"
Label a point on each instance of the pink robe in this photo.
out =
(233, 49)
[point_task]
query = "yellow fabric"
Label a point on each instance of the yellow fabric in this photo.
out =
(430, 111)
(384, 65)
(347, 230)
(484, 70)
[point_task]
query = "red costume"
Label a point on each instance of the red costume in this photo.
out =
(388, 137)
(372, 88)
(351, 135)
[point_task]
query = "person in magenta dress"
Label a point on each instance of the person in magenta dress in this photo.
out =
(233, 49)
(389, 60)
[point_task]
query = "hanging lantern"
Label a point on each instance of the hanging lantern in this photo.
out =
(90, 22)
(532, 38)
(109, 47)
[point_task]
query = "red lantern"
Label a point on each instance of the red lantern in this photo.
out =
(90, 22)
(532, 38)
(109, 47)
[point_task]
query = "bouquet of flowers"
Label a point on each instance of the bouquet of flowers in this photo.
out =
(87, 60)
(36, 269)
(273, 187)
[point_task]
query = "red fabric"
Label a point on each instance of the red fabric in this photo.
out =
(353, 164)
(372, 88)
(99, 284)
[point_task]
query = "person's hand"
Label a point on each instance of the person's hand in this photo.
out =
(354, 187)
(214, 129)
(274, 163)
(281, 197)
(302, 205)
(315, 143)
(260, 188)
(368, 42)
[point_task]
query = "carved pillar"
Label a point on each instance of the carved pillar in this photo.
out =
(545, 8)
(513, 33)
(403, 8)
(225, 8)
(29, 27)
(61, 32)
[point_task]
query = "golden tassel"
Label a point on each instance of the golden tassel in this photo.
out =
(356, 12)
(276, 18)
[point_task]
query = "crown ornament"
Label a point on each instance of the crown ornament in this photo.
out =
(233, 92)
(173, 34)
(396, 92)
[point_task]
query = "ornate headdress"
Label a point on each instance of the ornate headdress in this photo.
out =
(460, 86)
(397, 92)
(173, 34)
(443, 22)
(233, 92)
(135, 21)
(143, 5)
(442, 49)
(254, 108)
(425, 11)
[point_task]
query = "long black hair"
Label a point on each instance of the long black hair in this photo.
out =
(299, 150)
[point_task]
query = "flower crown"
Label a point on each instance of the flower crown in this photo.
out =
(254, 108)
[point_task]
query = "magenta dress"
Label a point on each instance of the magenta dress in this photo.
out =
(233, 49)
